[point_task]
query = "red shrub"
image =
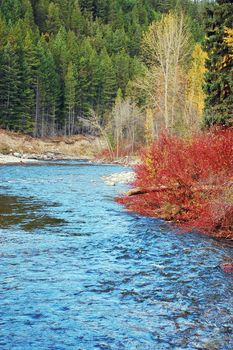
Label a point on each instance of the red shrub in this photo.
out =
(122, 152)
(188, 181)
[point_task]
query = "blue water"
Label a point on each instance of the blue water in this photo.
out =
(78, 272)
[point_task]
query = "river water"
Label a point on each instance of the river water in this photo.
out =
(79, 272)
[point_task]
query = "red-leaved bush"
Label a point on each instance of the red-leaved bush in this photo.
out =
(114, 154)
(189, 181)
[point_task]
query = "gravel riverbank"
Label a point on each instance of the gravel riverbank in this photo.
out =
(11, 159)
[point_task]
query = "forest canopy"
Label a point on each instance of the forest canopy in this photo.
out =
(62, 61)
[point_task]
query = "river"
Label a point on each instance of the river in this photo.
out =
(79, 272)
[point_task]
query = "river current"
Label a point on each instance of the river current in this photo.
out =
(77, 272)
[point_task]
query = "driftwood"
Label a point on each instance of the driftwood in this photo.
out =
(138, 190)
(197, 188)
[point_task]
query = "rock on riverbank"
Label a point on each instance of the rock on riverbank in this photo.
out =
(119, 178)
(11, 159)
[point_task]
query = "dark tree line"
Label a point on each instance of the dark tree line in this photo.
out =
(219, 76)
(62, 59)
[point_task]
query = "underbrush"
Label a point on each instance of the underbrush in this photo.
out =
(114, 155)
(76, 145)
(188, 181)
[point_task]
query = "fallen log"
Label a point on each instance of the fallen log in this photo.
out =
(138, 190)
(200, 188)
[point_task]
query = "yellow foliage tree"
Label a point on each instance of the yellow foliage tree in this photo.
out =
(166, 50)
(195, 93)
(149, 126)
(229, 39)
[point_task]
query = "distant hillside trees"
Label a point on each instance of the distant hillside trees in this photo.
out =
(62, 60)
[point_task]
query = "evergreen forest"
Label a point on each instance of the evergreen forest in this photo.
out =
(128, 67)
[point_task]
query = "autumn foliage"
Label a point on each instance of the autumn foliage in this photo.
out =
(188, 181)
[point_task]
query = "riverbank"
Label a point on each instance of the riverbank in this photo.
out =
(10, 159)
(16, 148)
(21, 159)
(20, 148)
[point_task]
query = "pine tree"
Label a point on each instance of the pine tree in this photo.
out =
(84, 80)
(87, 5)
(70, 99)
(77, 21)
(9, 87)
(101, 9)
(219, 77)
(40, 10)
(31, 62)
(108, 83)
(122, 66)
(119, 41)
(48, 92)
(12, 10)
(53, 22)
(3, 32)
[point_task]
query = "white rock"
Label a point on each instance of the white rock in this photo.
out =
(119, 178)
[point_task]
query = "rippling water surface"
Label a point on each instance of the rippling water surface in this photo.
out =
(78, 272)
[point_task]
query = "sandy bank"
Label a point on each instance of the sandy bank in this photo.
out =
(10, 159)
(25, 146)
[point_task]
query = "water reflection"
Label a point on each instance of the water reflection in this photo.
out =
(25, 212)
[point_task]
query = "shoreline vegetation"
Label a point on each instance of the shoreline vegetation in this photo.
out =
(18, 148)
(188, 182)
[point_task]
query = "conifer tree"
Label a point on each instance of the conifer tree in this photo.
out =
(11, 9)
(48, 91)
(70, 99)
(40, 10)
(109, 82)
(77, 21)
(31, 60)
(219, 76)
(3, 32)
(122, 66)
(87, 5)
(85, 79)
(9, 87)
(53, 22)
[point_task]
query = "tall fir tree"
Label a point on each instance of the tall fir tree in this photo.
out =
(53, 21)
(70, 99)
(219, 77)
(109, 87)
(9, 87)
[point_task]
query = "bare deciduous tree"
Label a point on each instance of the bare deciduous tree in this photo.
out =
(126, 121)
